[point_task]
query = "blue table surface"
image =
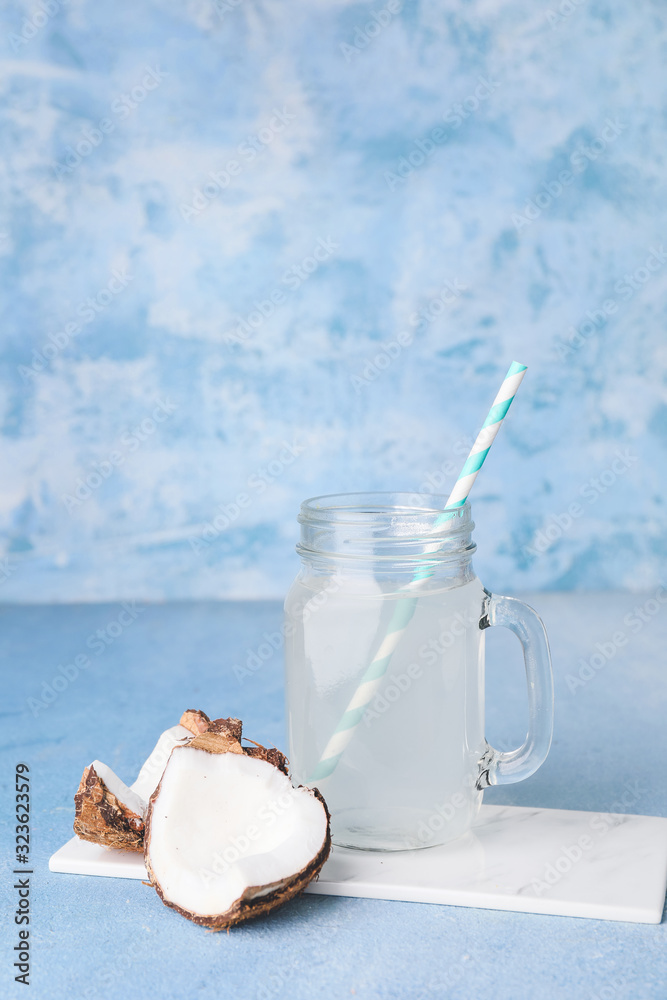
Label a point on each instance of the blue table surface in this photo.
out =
(94, 937)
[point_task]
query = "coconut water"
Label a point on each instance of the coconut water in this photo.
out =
(408, 777)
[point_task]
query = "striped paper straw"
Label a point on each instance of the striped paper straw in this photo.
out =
(405, 608)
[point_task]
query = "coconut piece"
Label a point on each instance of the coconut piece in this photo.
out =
(106, 809)
(107, 812)
(195, 720)
(151, 772)
(227, 835)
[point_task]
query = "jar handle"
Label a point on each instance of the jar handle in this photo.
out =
(504, 768)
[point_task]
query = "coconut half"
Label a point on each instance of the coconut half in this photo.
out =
(107, 812)
(227, 835)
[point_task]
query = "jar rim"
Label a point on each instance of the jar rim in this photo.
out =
(348, 508)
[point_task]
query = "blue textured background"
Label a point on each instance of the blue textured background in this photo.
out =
(483, 210)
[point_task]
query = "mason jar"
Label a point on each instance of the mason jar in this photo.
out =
(385, 627)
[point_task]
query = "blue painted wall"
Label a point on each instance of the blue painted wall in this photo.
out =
(254, 251)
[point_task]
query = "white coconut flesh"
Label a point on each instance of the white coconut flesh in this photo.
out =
(226, 827)
(151, 771)
(119, 789)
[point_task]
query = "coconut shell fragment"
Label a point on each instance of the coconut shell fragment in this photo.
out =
(273, 756)
(232, 728)
(227, 836)
(195, 720)
(104, 818)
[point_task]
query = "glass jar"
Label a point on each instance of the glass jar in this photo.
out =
(384, 659)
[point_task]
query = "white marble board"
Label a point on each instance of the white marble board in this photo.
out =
(556, 861)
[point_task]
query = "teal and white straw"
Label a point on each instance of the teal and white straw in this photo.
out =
(405, 608)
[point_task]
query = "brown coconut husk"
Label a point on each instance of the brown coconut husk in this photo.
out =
(269, 754)
(195, 720)
(103, 819)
